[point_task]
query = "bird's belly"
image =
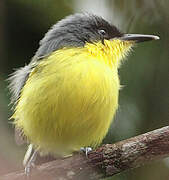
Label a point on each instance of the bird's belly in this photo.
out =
(69, 109)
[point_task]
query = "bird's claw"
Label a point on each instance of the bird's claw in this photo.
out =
(86, 150)
(28, 168)
(29, 162)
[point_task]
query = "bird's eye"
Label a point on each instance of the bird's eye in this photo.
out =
(102, 32)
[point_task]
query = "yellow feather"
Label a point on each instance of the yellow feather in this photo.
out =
(71, 97)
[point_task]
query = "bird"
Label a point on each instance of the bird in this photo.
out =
(66, 98)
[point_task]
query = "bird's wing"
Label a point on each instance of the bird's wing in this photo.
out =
(16, 82)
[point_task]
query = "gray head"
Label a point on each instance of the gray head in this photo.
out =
(74, 31)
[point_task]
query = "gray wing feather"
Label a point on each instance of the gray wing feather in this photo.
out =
(17, 81)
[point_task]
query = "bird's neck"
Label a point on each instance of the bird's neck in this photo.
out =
(111, 52)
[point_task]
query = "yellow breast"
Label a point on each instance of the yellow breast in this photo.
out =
(68, 101)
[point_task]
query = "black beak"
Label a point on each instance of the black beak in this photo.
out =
(138, 37)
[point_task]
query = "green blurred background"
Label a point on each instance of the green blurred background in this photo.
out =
(144, 99)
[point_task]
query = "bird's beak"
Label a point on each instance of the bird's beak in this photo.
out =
(138, 37)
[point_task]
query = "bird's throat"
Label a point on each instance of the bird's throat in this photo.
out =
(111, 52)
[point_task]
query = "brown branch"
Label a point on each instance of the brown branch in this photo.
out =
(105, 161)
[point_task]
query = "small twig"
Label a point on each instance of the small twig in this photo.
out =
(105, 161)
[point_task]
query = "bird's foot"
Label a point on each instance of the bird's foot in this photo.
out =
(86, 150)
(30, 164)
(28, 169)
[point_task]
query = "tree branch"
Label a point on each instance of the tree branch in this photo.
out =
(105, 161)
